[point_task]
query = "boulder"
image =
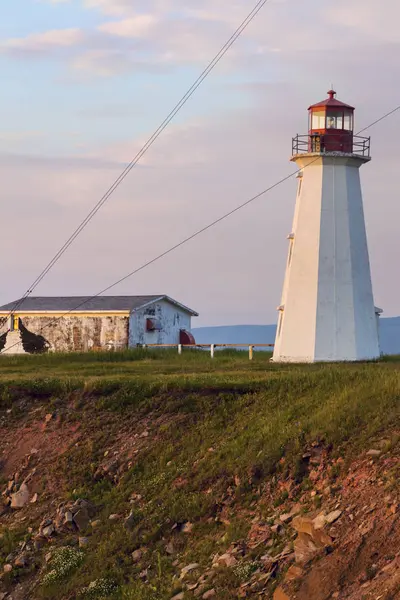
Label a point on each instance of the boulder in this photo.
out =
(374, 453)
(21, 561)
(81, 518)
(68, 518)
(320, 521)
(187, 569)
(227, 560)
(20, 498)
(309, 539)
(333, 516)
(48, 530)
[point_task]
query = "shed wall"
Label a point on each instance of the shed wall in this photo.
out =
(172, 320)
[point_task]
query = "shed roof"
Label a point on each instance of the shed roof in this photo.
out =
(88, 303)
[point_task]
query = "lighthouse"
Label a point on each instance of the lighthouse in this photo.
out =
(327, 311)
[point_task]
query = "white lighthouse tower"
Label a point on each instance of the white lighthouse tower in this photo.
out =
(327, 311)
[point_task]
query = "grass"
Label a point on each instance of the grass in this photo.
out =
(217, 425)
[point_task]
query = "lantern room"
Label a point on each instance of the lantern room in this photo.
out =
(331, 129)
(331, 125)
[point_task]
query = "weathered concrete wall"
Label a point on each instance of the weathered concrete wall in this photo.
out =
(80, 333)
(172, 320)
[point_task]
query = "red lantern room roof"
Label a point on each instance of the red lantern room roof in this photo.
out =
(331, 102)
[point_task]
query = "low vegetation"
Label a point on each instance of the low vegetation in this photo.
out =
(178, 454)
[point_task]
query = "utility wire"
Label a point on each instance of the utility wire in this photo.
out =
(211, 66)
(200, 231)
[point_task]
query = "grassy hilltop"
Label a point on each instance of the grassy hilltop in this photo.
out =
(195, 460)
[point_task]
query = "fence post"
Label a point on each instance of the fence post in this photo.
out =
(179, 348)
(251, 348)
(212, 350)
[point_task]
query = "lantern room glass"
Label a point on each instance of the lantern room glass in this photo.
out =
(348, 121)
(318, 120)
(334, 120)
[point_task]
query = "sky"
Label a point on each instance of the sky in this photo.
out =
(86, 82)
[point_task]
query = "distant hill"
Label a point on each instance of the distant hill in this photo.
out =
(265, 334)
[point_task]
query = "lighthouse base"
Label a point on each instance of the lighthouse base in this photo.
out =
(312, 360)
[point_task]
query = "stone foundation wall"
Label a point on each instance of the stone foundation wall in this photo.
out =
(80, 334)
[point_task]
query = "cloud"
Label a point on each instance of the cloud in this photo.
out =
(138, 26)
(42, 42)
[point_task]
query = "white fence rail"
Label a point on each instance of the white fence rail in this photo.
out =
(212, 347)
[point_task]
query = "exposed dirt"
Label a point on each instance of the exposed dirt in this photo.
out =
(365, 561)
(361, 563)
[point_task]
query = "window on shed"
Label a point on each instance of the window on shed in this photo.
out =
(153, 324)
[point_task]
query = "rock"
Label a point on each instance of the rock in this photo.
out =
(83, 541)
(374, 453)
(303, 525)
(81, 518)
(137, 555)
(293, 573)
(48, 530)
(309, 539)
(296, 510)
(210, 594)
(227, 560)
(333, 516)
(187, 569)
(320, 521)
(7, 568)
(114, 517)
(304, 548)
(276, 528)
(95, 524)
(280, 594)
(20, 498)
(34, 499)
(179, 596)
(68, 518)
(21, 561)
(286, 518)
(83, 504)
